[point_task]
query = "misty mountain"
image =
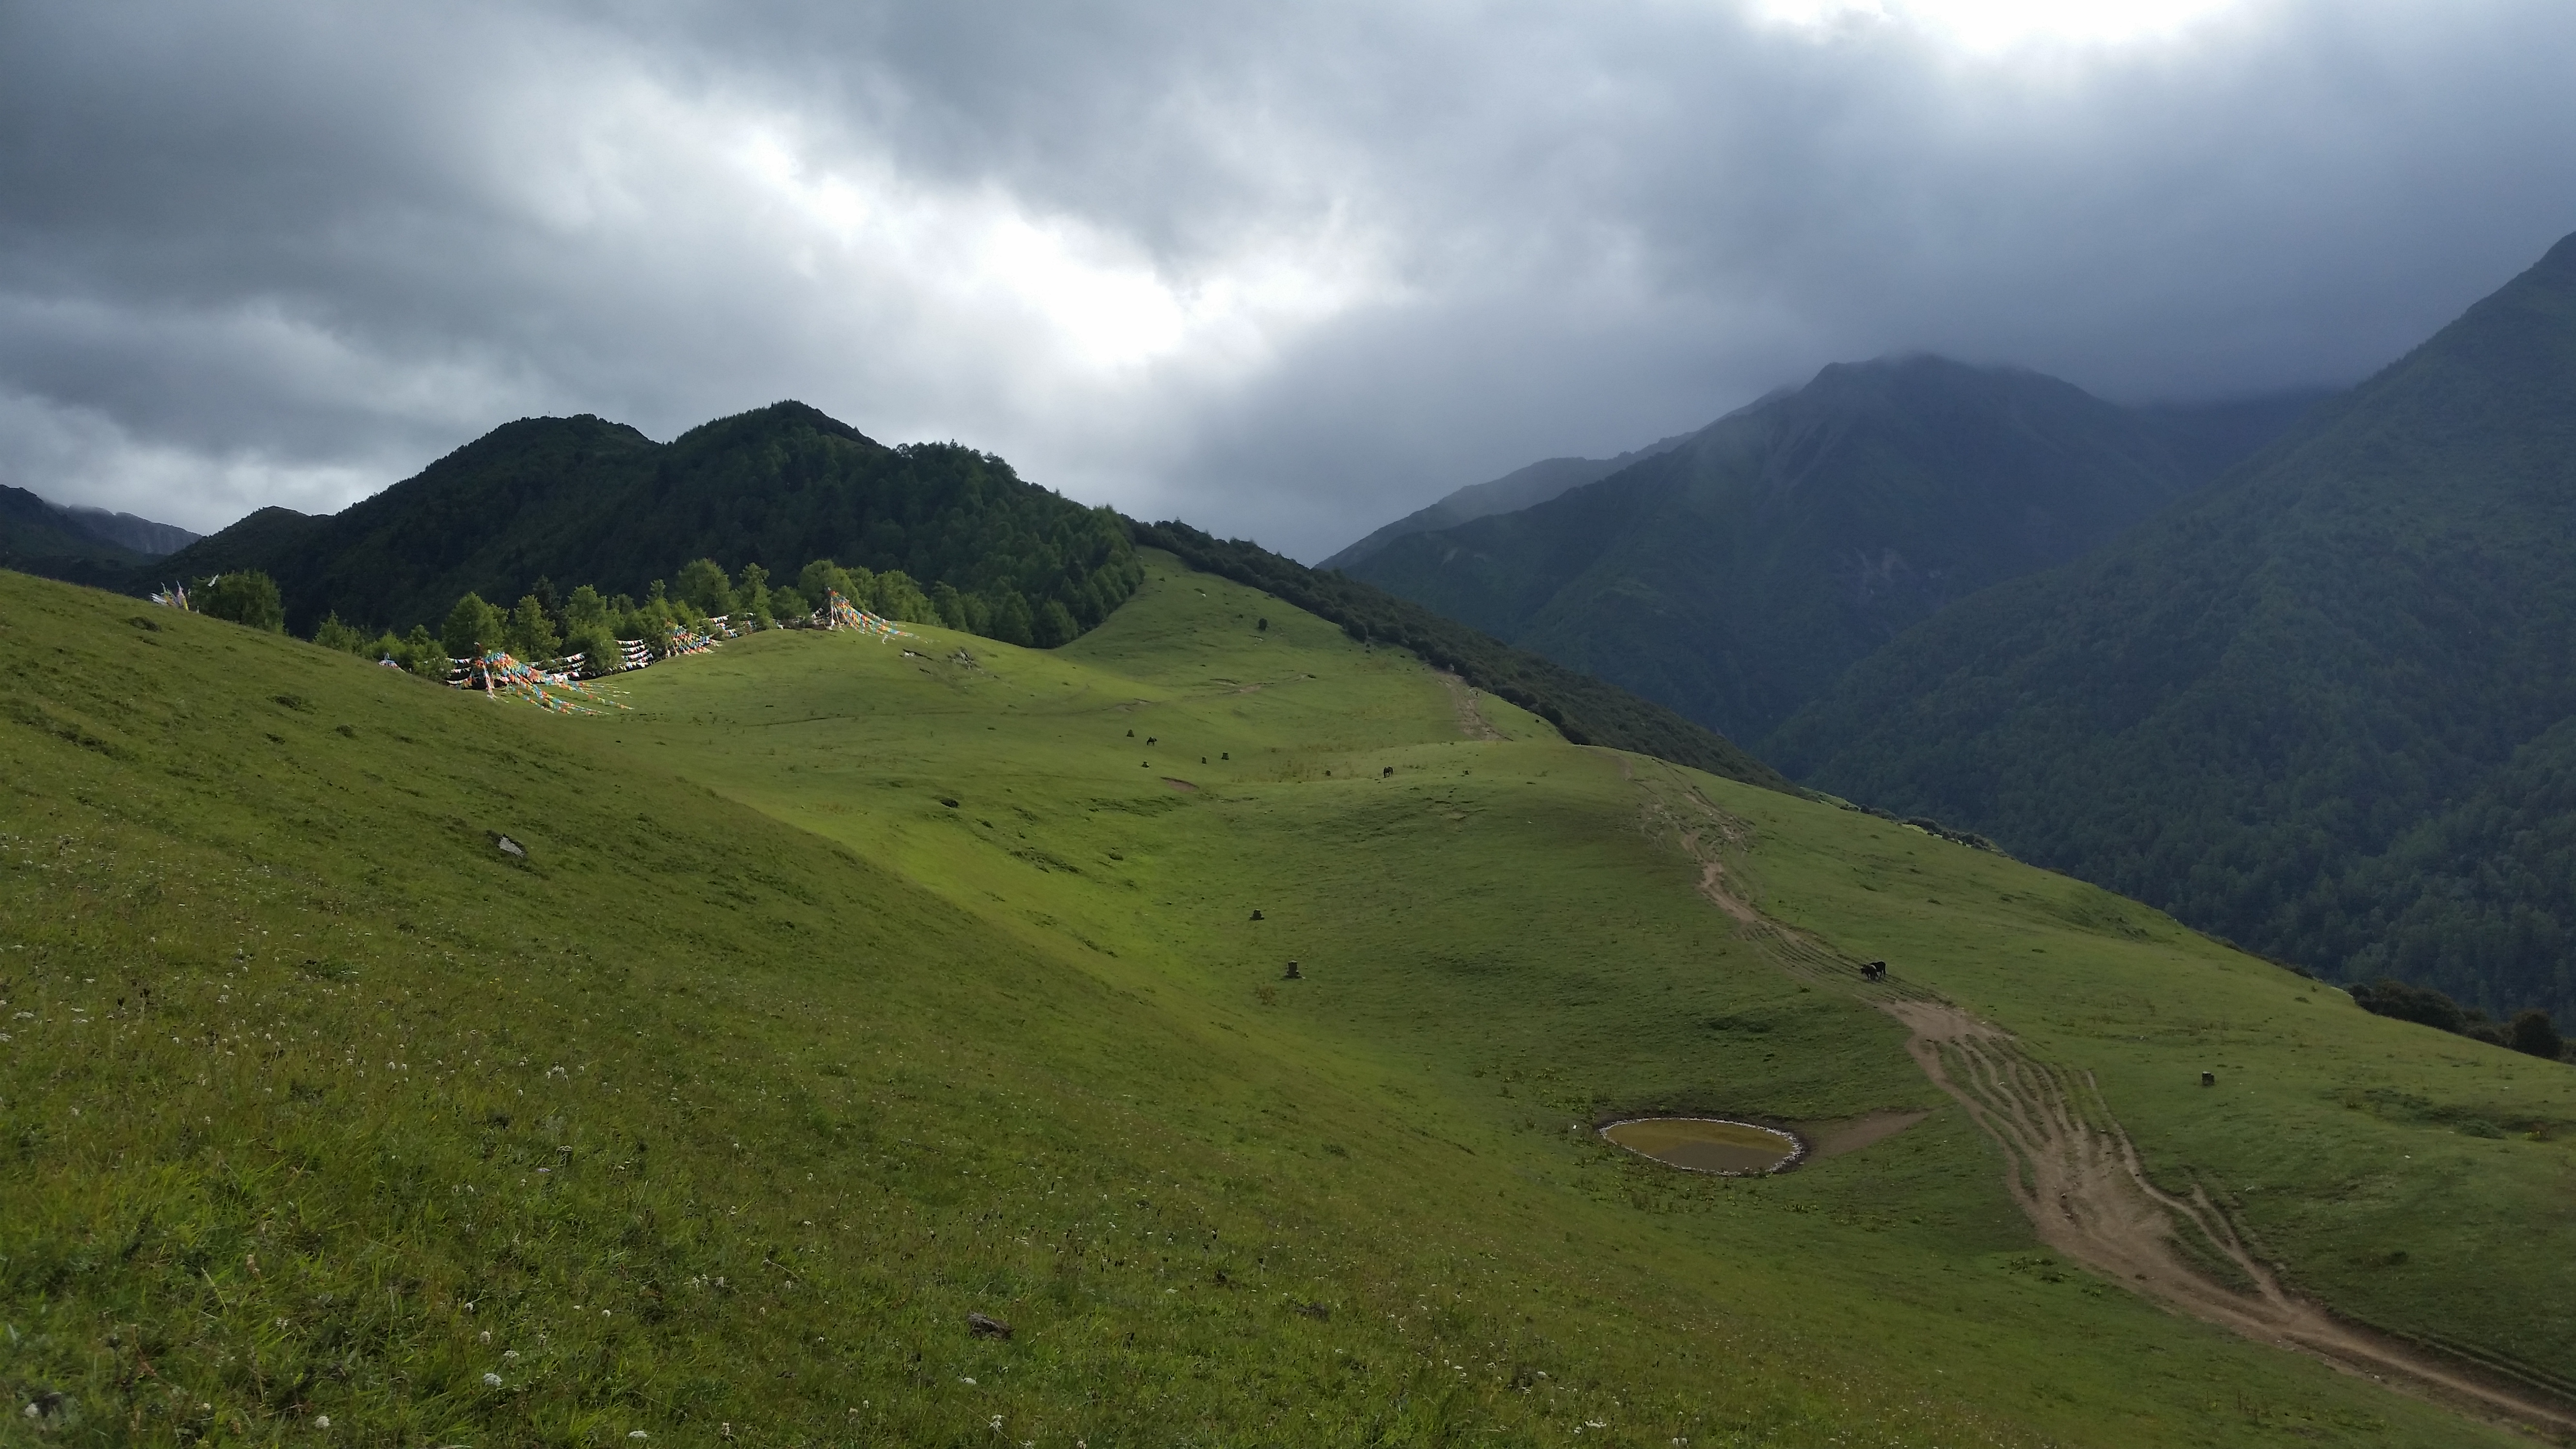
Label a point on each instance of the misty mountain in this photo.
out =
(86, 545)
(2325, 707)
(1735, 576)
(141, 535)
(582, 500)
(1521, 488)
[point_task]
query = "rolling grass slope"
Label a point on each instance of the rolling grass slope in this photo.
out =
(714, 1117)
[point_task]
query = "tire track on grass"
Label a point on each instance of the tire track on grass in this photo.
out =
(2077, 1176)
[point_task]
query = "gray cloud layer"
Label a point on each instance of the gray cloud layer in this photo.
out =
(1286, 271)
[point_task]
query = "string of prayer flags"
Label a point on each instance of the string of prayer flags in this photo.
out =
(499, 674)
(840, 613)
(685, 640)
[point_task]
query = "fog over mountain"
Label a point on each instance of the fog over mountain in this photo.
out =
(1288, 272)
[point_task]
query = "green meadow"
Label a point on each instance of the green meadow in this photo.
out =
(845, 990)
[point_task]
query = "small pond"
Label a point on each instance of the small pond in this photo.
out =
(1705, 1144)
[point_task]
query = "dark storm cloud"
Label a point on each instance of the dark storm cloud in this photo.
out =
(1286, 271)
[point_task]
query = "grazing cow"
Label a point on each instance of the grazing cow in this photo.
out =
(1256, 915)
(1874, 971)
(2209, 1079)
(1291, 973)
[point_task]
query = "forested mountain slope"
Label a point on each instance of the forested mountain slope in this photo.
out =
(583, 501)
(2323, 708)
(1735, 577)
(42, 537)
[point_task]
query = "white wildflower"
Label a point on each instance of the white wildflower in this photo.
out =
(491, 1381)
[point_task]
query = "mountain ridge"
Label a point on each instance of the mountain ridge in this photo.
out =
(1734, 577)
(2259, 707)
(581, 500)
(83, 544)
(584, 500)
(1521, 488)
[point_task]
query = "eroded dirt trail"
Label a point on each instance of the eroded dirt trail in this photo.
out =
(2075, 1172)
(1471, 721)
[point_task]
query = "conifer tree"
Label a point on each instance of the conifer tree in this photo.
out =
(247, 597)
(473, 628)
(751, 595)
(703, 586)
(333, 634)
(530, 632)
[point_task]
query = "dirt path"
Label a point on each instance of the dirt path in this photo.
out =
(2076, 1173)
(1471, 721)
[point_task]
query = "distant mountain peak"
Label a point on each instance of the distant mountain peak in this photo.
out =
(1521, 488)
(2320, 706)
(782, 415)
(77, 538)
(1735, 573)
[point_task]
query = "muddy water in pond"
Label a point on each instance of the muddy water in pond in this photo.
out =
(1704, 1145)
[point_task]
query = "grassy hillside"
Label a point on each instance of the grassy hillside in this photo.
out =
(843, 992)
(2280, 708)
(584, 501)
(1586, 709)
(1736, 576)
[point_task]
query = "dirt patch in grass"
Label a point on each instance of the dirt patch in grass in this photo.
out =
(2077, 1176)
(1835, 1136)
(1179, 784)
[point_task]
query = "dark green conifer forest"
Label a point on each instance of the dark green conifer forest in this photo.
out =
(546, 504)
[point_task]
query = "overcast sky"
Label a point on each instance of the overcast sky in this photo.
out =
(1284, 270)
